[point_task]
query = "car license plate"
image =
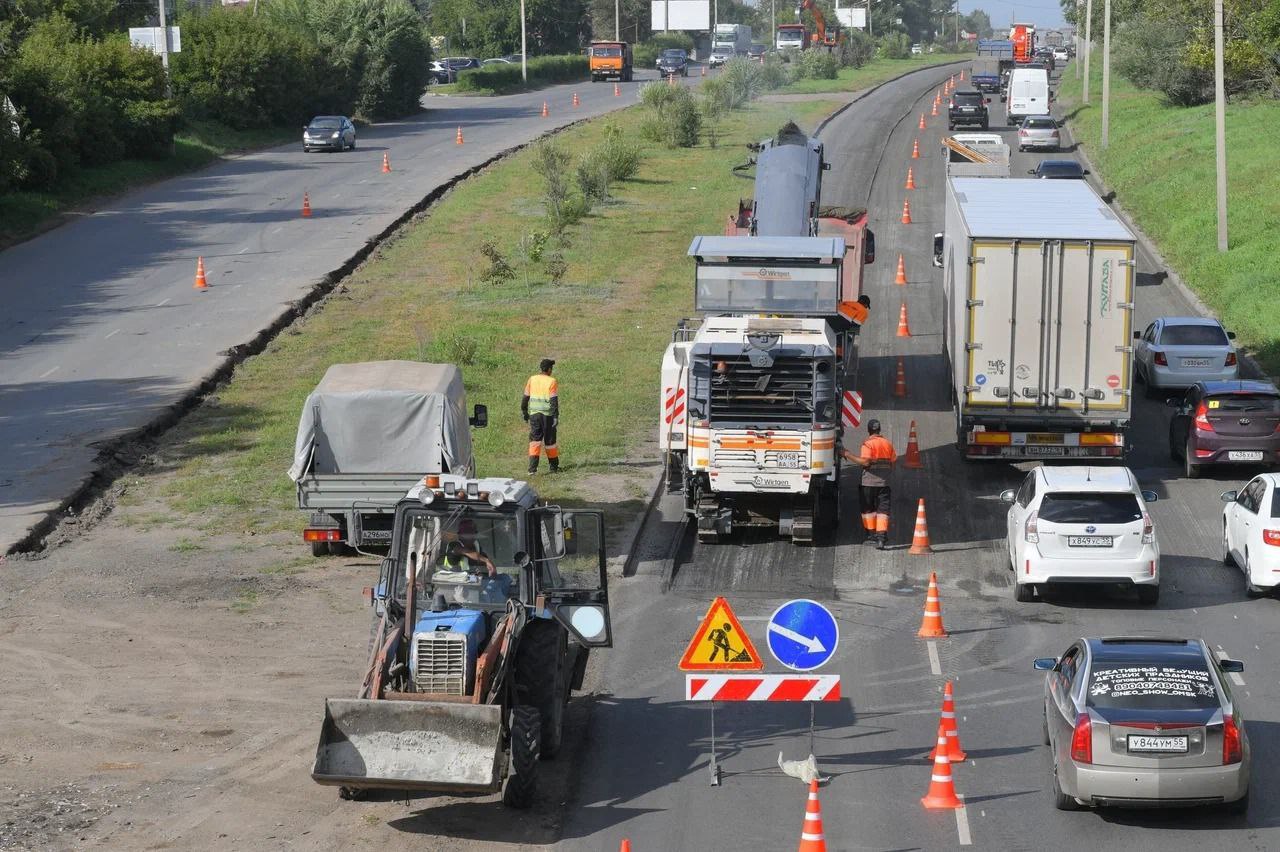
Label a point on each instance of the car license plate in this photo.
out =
(1195, 362)
(376, 535)
(790, 460)
(1244, 455)
(1088, 541)
(1143, 742)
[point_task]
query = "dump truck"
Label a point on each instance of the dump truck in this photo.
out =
(484, 615)
(754, 392)
(1023, 37)
(791, 37)
(368, 432)
(610, 59)
(1037, 319)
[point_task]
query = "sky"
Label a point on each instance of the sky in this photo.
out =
(1045, 14)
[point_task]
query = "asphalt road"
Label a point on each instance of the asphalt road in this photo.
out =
(102, 330)
(646, 774)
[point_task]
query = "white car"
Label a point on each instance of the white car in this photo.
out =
(1060, 54)
(1177, 352)
(1082, 524)
(1251, 533)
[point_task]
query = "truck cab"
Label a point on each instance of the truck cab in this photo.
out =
(610, 59)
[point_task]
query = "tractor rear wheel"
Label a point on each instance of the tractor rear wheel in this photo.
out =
(542, 678)
(522, 782)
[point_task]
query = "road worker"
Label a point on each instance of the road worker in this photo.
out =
(541, 409)
(877, 459)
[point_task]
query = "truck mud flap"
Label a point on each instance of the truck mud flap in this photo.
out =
(410, 745)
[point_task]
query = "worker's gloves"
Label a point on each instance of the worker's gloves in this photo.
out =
(526, 418)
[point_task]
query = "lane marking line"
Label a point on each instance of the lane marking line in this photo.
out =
(112, 334)
(243, 250)
(1235, 676)
(278, 230)
(962, 823)
(162, 303)
(47, 373)
(935, 665)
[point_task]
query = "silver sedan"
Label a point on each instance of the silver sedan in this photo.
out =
(1144, 722)
(1177, 352)
(332, 132)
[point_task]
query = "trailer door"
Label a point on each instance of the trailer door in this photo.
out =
(1092, 358)
(1008, 306)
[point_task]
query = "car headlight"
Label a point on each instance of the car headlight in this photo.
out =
(335, 134)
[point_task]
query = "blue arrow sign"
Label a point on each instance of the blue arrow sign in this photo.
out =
(803, 635)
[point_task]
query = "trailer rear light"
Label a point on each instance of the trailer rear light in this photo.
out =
(1271, 537)
(321, 535)
(1160, 359)
(1231, 359)
(1232, 751)
(1148, 530)
(1082, 740)
(1202, 420)
(1031, 531)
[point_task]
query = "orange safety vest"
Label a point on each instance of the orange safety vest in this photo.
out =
(878, 449)
(541, 389)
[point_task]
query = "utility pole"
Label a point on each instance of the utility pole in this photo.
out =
(1106, 75)
(666, 16)
(524, 50)
(1076, 35)
(1088, 44)
(1220, 124)
(773, 22)
(164, 42)
(617, 20)
(869, 32)
(715, 18)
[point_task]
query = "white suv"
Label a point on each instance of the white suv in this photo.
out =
(1081, 524)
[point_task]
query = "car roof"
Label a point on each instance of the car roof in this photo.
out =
(1060, 164)
(1239, 386)
(1190, 321)
(1040, 117)
(1164, 649)
(1086, 478)
(321, 117)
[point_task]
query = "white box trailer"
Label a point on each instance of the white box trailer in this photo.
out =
(1038, 278)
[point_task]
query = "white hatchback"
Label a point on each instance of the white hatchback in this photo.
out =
(1082, 524)
(1251, 532)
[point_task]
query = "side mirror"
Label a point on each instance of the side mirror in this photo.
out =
(1031, 171)
(869, 247)
(1231, 335)
(1137, 335)
(1231, 665)
(938, 248)
(481, 417)
(1150, 496)
(1044, 664)
(1174, 402)
(1008, 495)
(521, 559)
(1086, 171)
(1229, 496)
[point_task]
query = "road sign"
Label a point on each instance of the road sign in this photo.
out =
(720, 643)
(761, 687)
(803, 635)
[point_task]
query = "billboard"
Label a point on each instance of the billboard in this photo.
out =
(685, 15)
(853, 19)
(151, 39)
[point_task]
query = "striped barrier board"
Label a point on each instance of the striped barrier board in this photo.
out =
(761, 687)
(673, 406)
(851, 409)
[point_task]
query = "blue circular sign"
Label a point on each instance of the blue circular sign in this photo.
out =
(803, 635)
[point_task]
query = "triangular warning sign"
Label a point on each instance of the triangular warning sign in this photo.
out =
(720, 644)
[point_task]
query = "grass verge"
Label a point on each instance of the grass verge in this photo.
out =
(1160, 161)
(420, 297)
(200, 143)
(875, 71)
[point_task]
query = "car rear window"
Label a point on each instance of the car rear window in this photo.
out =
(1193, 335)
(1040, 123)
(1252, 402)
(1065, 507)
(1061, 170)
(1184, 686)
(968, 98)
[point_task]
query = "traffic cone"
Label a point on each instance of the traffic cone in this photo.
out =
(900, 383)
(546, 110)
(671, 81)
(201, 282)
(575, 100)
(955, 753)
(942, 790)
(933, 110)
(911, 180)
(626, 845)
(961, 75)
(811, 837)
(306, 205)
(913, 450)
(901, 277)
(617, 90)
(459, 139)
(922, 121)
(386, 163)
(704, 70)
(906, 212)
(915, 149)
(904, 330)
(931, 627)
(920, 538)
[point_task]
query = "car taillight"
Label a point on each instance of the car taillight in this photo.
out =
(1231, 747)
(1148, 529)
(1160, 360)
(1031, 532)
(1271, 537)
(1231, 359)
(1082, 740)
(1202, 418)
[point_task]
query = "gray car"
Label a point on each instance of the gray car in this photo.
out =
(1177, 352)
(1039, 132)
(328, 132)
(1144, 722)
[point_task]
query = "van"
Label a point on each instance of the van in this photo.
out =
(1028, 94)
(610, 59)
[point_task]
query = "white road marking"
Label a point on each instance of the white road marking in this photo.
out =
(278, 230)
(243, 250)
(1235, 676)
(162, 303)
(935, 665)
(112, 334)
(336, 196)
(962, 823)
(47, 373)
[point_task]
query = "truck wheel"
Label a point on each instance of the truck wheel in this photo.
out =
(1188, 453)
(522, 782)
(542, 679)
(319, 549)
(1148, 595)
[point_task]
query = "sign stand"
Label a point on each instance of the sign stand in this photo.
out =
(715, 766)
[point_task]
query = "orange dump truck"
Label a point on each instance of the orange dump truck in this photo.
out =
(610, 59)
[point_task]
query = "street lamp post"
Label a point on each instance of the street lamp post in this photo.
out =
(1220, 124)
(1088, 45)
(617, 20)
(524, 51)
(1106, 75)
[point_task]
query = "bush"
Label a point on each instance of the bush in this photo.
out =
(552, 162)
(815, 65)
(645, 54)
(858, 48)
(1152, 55)
(895, 46)
(673, 118)
(500, 77)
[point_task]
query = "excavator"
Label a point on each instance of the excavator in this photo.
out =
(822, 35)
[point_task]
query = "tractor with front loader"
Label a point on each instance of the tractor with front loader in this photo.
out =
(484, 614)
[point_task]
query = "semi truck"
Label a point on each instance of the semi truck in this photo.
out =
(1023, 37)
(1037, 321)
(728, 42)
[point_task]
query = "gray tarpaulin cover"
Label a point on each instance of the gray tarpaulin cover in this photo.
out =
(384, 417)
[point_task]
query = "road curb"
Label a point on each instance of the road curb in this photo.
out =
(817, 131)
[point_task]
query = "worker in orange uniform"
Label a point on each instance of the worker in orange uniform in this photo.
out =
(877, 459)
(541, 409)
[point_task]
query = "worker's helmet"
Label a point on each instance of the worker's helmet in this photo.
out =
(873, 427)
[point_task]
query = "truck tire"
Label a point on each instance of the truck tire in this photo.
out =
(319, 549)
(522, 781)
(542, 679)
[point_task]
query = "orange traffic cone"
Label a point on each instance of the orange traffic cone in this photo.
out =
(704, 70)
(931, 627)
(546, 110)
(575, 100)
(904, 330)
(911, 180)
(617, 90)
(942, 790)
(811, 836)
(915, 149)
(626, 845)
(201, 282)
(306, 205)
(955, 753)
(386, 162)
(933, 110)
(913, 450)
(900, 383)
(920, 539)
(961, 75)
(901, 277)
(459, 139)
(906, 212)
(922, 121)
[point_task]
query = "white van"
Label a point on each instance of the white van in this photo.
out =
(1028, 94)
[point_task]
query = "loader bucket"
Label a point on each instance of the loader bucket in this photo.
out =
(410, 745)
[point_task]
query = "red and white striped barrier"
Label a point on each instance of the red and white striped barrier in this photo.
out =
(757, 687)
(851, 409)
(673, 406)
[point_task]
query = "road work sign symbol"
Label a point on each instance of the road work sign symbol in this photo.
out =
(803, 635)
(720, 644)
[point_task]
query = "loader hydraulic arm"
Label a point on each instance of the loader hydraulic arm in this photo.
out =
(819, 35)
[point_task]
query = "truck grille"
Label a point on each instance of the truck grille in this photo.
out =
(782, 393)
(441, 666)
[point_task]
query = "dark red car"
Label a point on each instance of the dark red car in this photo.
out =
(1226, 423)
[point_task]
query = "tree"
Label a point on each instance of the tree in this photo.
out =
(492, 27)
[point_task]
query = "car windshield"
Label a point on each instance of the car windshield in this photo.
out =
(673, 54)
(1261, 403)
(1137, 686)
(611, 50)
(325, 124)
(450, 555)
(1193, 335)
(1039, 124)
(1065, 507)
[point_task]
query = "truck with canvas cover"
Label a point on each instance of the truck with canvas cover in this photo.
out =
(485, 611)
(367, 433)
(1037, 319)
